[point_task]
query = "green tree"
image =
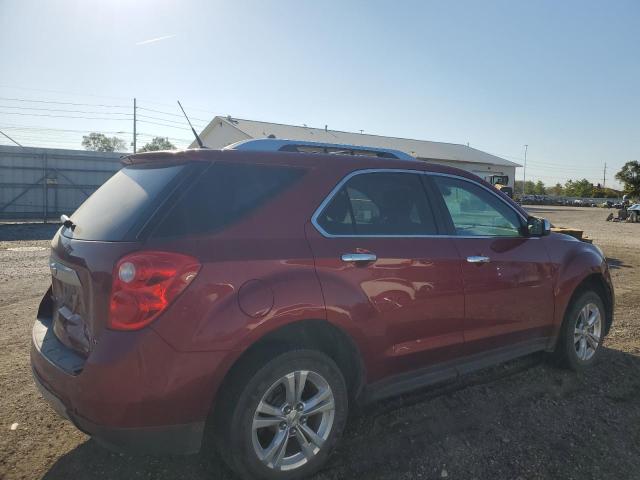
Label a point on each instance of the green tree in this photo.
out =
(529, 188)
(99, 142)
(539, 188)
(598, 192)
(158, 143)
(578, 188)
(611, 193)
(557, 190)
(629, 175)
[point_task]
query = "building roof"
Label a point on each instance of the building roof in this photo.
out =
(422, 149)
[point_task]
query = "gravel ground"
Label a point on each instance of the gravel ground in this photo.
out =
(521, 420)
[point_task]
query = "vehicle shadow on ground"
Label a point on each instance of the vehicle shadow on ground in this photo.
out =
(530, 419)
(27, 231)
(92, 461)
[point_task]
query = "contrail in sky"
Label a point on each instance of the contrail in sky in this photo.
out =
(153, 40)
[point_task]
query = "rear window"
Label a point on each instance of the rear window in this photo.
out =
(223, 194)
(123, 203)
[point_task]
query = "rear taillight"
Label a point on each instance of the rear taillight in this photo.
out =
(145, 284)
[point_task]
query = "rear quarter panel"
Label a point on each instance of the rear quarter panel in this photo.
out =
(257, 275)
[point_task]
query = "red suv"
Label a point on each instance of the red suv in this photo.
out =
(250, 297)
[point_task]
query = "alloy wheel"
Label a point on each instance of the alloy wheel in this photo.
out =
(588, 331)
(293, 420)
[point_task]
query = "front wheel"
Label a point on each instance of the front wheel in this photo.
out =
(582, 332)
(286, 418)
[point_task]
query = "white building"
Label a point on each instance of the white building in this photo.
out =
(223, 131)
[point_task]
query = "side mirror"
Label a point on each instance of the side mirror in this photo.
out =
(538, 227)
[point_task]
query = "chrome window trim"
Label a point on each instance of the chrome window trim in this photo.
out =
(349, 176)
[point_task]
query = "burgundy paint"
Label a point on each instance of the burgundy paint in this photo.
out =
(420, 303)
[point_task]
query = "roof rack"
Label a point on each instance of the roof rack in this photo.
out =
(278, 145)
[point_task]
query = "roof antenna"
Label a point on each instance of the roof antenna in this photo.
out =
(192, 129)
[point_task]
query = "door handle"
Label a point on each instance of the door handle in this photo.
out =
(478, 259)
(359, 257)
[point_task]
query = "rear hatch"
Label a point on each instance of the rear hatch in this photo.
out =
(109, 224)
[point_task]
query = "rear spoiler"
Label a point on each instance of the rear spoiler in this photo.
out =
(164, 156)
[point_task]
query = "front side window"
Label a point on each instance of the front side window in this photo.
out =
(379, 204)
(475, 211)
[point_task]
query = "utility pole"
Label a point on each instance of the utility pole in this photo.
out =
(524, 176)
(604, 176)
(134, 125)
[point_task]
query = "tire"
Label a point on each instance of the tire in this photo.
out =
(570, 349)
(243, 435)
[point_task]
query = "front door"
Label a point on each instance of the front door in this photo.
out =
(387, 279)
(507, 274)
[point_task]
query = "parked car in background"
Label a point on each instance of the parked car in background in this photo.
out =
(248, 298)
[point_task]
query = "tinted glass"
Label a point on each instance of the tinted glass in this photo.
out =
(379, 204)
(336, 218)
(121, 202)
(222, 195)
(477, 212)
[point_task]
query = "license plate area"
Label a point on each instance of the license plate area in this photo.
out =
(69, 309)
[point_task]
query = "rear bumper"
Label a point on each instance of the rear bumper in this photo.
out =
(134, 393)
(177, 439)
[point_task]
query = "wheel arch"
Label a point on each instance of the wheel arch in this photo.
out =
(597, 283)
(313, 334)
(594, 281)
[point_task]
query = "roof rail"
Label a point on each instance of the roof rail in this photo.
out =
(278, 145)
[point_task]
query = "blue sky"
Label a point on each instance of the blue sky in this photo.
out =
(562, 77)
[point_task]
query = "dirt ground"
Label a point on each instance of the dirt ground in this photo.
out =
(522, 420)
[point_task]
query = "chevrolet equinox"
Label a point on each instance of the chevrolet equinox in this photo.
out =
(243, 299)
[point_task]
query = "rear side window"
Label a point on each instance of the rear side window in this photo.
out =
(122, 202)
(379, 204)
(223, 194)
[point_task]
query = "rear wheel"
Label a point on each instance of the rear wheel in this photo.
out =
(284, 418)
(582, 332)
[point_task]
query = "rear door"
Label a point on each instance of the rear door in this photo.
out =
(507, 275)
(386, 275)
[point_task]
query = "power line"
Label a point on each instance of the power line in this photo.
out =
(63, 103)
(61, 116)
(162, 119)
(61, 92)
(152, 136)
(172, 114)
(38, 141)
(10, 138)
(164, 125)
(189, 107)
(31, 127)
(570, 169)
(64, 110)
(103, 96)
(36, 131)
